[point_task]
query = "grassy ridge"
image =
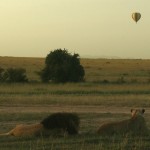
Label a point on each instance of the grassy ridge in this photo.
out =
(96, 70)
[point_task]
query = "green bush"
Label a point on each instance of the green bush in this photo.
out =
(2, 79)
(15, 75)
(61, 66)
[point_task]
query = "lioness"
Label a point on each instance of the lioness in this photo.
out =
(25, 130)
(135, 125)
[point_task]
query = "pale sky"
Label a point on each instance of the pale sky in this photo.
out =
(91, 28)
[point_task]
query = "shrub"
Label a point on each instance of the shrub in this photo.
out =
(61, 66)
(121, 80)
(15, 75)
(1, 74)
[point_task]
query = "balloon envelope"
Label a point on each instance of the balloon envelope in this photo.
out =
(136, 16)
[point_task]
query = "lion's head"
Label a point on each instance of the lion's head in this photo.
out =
(137, 112)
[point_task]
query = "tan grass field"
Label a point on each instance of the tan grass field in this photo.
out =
(111, 88)
(96, 70)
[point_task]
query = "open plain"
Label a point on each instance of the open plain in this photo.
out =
(111, 88)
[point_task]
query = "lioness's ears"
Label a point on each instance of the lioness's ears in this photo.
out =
(143, 110)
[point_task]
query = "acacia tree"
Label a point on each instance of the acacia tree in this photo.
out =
(61, 66)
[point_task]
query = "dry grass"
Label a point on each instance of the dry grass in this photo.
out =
(112, 69)
(97, 70)
(95, 101)
(30, 64)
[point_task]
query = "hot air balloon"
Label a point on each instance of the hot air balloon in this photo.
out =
(136, 16)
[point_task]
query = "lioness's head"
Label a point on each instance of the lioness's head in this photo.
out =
(137, 112)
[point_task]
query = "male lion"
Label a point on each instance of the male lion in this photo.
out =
(66, 122)
(136, 125)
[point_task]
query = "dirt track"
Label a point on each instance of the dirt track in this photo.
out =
(57, 108)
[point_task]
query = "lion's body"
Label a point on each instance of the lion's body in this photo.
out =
(66, 122)
(25, 130)
(135, 125)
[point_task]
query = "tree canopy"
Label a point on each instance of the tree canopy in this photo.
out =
(61, 66)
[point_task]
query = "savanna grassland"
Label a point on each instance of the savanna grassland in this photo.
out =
(111, 88)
